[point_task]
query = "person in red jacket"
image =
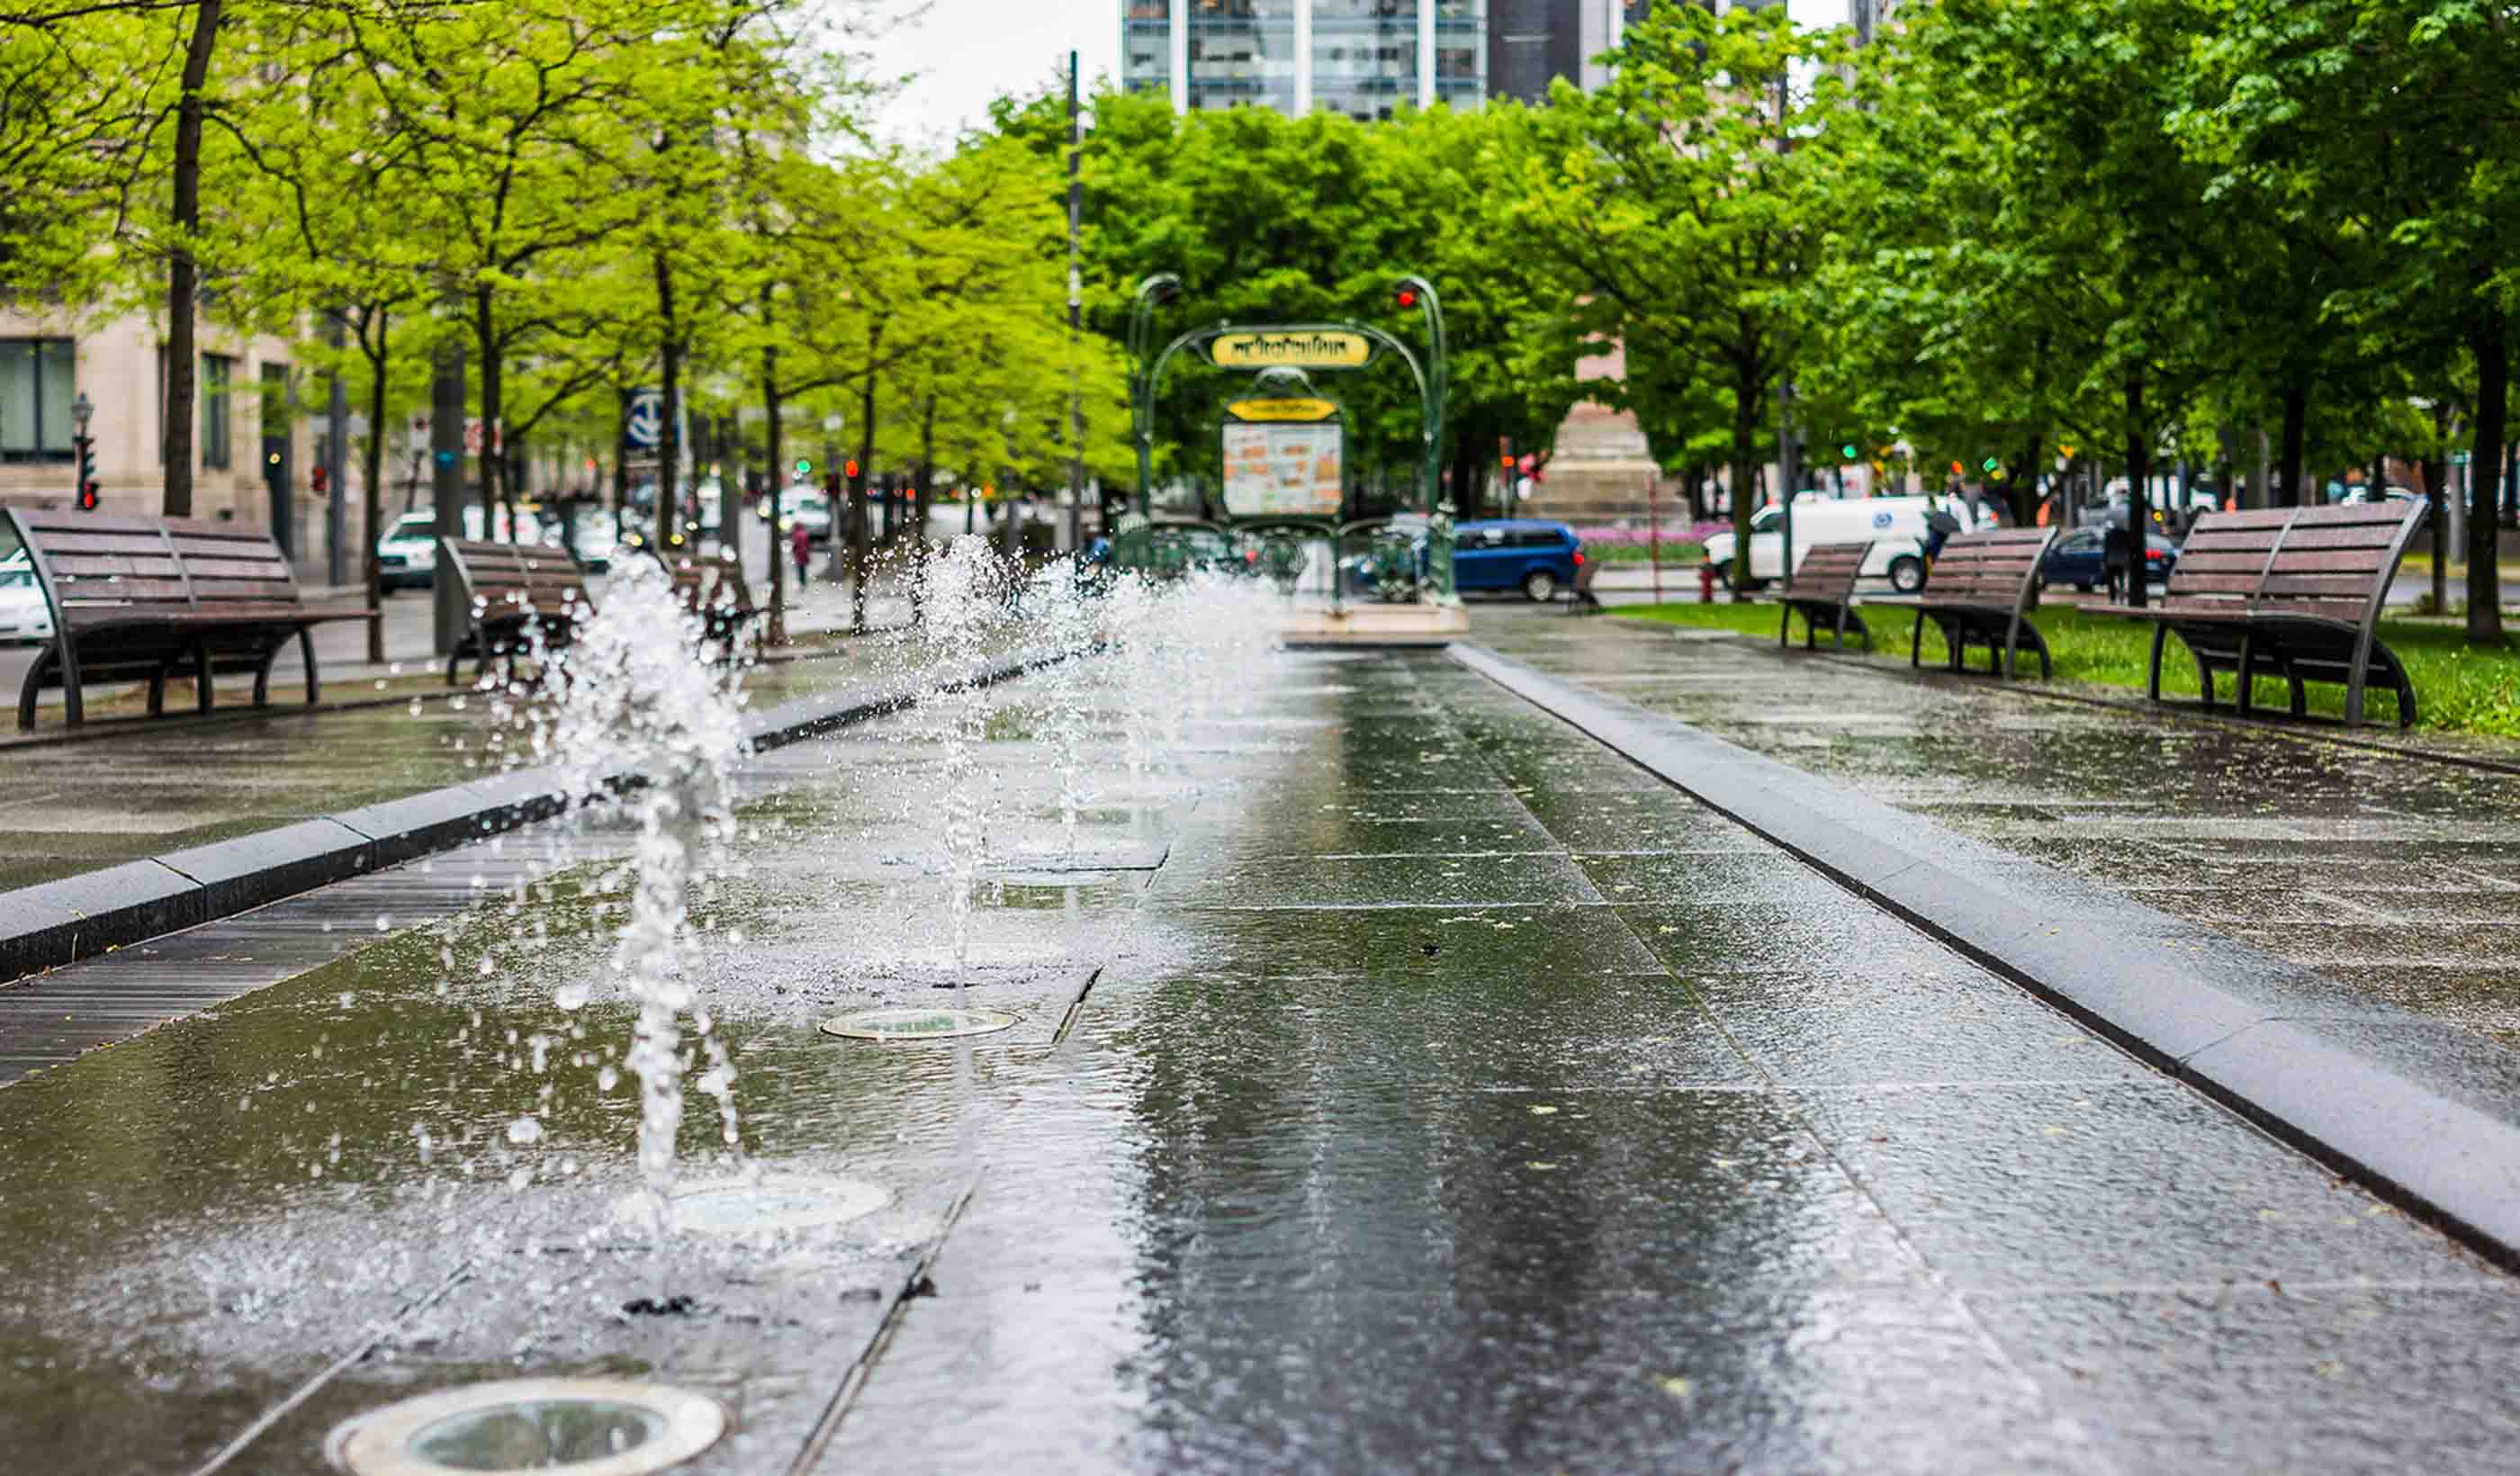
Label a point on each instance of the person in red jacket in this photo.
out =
(803, 549)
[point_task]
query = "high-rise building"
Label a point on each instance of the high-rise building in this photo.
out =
(1363, 58)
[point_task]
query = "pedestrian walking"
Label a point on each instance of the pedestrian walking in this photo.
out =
(802, 548)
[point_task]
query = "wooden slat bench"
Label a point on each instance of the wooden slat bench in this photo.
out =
(518, 599)
(716, 591)
(1979, 591)
(1823, 588)
(134, 599)
(2292, 593)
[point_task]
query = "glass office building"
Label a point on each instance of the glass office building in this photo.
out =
(1363, 58)
(1366, 58)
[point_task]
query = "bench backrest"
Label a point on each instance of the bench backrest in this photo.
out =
(525, 575)
(2337, 562)
(1991, 569)
(2224, 559)
(1829, 571)
(2334, 563)
(88, 561)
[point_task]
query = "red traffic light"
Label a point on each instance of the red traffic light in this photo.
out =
(851, 469)
(321, 479)
(87, 497)
(1408, 296)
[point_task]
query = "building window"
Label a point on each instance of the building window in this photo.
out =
(218, 373)
(36, 377)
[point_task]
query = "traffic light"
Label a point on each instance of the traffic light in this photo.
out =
(1989, 465)
(804, 466)
(320, 482)
(1406, 295)
(1959, 470)
(850, 471)
(1847, 451)
(87, 498)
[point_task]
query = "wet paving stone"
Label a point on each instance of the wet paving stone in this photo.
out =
(2111, 1185)
(1348, 1169)
(2309, 1378)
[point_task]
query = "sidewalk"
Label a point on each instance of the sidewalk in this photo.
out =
(140, 787)
(1407, 1097)
(2393, 874)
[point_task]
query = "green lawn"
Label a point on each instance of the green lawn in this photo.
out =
(2459, 688)
(1674, 554)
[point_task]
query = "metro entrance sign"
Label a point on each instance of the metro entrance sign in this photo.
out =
(1300, 348)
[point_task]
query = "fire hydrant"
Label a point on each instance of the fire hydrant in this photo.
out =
(1706, 584)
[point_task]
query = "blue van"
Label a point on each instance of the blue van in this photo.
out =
(1536, 557)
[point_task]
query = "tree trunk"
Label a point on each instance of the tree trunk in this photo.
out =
(775, 447)
(373, 473)
(495, 489)
(2435, 471)
(1746, 401)
(2138, 472)
(2296, 423)
(183, 272)
(861, 529)
(669, 446)
(2490, 336)
(621, 462)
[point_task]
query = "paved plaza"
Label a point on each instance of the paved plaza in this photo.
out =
(1401, 1079)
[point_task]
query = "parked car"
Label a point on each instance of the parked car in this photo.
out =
(1897, 527)
(407, 555)
(2075, 559)
(1524, 553)
(24, 619)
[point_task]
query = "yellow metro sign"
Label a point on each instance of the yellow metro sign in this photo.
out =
(1303, 348)
(1282, 410)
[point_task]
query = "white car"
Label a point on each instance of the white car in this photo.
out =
(407, 555)
(1895, 526)
(24, 617)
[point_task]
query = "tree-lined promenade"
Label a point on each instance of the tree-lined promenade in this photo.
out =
(2011, 235)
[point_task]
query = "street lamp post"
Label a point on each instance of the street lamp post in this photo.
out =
(1417, 291)
(1162, 288)
(82, 409)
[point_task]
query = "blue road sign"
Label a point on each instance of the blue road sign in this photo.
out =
(644, 429)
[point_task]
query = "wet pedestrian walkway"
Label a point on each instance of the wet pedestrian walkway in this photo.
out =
(2396, 875)
(1427, 1089)
(150, 787)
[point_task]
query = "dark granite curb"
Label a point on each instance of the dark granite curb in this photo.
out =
(73, 918)
(2237, 1023)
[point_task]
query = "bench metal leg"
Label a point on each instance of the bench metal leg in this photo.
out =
(262, 676)
(157, 685)
(73, 703)
(2353, 681)
(2248, 676)
(34, 684)
(202, 699)
(1786, 624)
(2152, 673)
(1916, 641)
(306, 648)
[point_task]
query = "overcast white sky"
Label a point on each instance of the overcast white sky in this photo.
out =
(966, 52)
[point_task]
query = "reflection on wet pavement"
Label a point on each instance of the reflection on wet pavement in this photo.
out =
(1425, 1091)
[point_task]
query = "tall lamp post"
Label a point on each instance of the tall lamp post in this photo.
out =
(1162, 288)
(82, 409)
(1417, 291)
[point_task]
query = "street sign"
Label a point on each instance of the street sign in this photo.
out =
(1282, 410)
(643, 428)
(1301, 348)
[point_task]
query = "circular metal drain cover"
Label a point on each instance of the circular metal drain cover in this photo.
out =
(801, 1202)
(581, 1427)
(917, 1022)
